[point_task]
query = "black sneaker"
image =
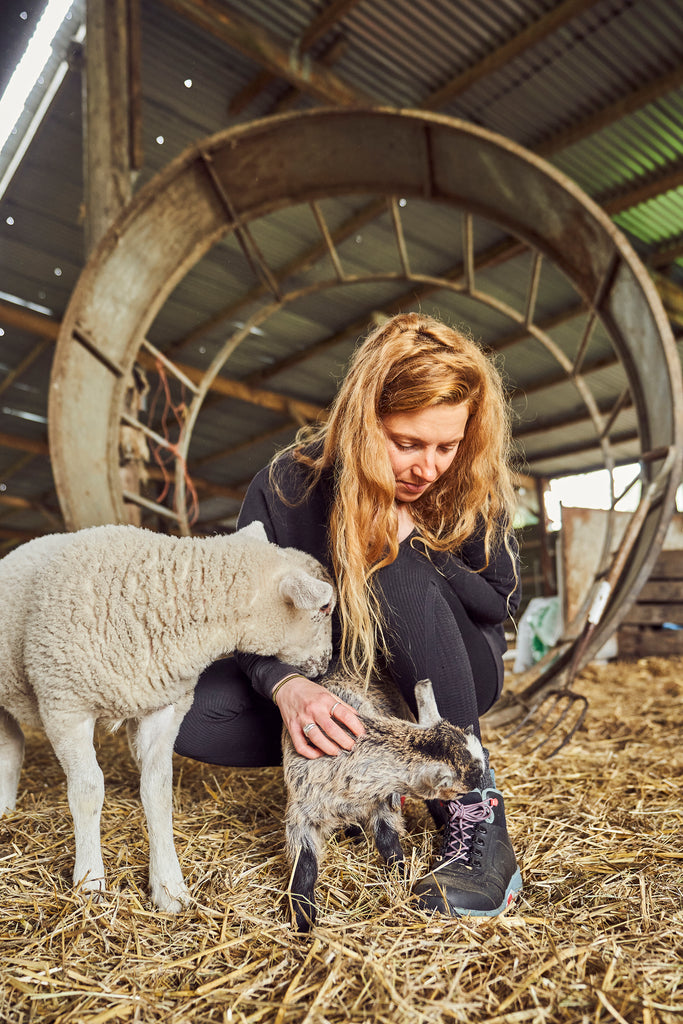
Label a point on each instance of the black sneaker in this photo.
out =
(476, 874)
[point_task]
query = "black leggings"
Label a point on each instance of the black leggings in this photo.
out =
(429, 635)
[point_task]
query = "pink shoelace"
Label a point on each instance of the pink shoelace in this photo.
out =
(460, 827)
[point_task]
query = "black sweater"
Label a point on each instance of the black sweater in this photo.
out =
(488, 595)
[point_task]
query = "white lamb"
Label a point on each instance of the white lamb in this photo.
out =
(116, 623)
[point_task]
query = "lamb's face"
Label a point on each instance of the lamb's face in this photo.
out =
(308, 642)
(459, 751)
(452, 763)
(292, 615)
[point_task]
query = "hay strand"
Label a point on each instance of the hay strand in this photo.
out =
(597, 936)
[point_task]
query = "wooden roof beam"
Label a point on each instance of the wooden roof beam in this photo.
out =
(29, 321)
(25, 444)
(13, 502)
(671, 295)
(330, 16)
(298, 410)
(327, 58)
(662, 180)
(16, 536)
(207, 487)
(666, 254)
(250, 39)
(293, 407)
(25, 363)
(236, 449)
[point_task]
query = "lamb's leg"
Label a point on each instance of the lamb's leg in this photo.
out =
(304, 844)
(71, 736)
(386, 826)
(11, 757)
(154, 738)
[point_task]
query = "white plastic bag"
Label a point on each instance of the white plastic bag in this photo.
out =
(539, 629)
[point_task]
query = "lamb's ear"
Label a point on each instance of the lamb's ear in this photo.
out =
(306, 592)
(427, 711)
(435, 777)
(255, 530)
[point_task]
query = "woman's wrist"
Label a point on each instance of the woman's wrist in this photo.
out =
(281, 683)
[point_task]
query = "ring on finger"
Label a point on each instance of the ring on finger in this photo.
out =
(307, 728)
(334, 707)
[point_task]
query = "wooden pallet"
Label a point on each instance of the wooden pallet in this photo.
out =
(642, 633)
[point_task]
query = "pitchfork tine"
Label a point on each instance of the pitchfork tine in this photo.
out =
(575, 697)
(528, 716)
(552, 700)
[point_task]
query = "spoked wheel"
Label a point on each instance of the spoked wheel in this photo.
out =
(382, 173)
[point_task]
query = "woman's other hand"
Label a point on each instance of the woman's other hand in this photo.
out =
(303, 703)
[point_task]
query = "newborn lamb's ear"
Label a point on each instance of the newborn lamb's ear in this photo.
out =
(255, 530)
(435, 777)
(306, 592)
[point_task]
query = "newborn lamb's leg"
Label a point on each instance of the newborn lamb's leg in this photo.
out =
(154, 738)
(71, 735)
(305, 844)
(386, 824)
(11, 757)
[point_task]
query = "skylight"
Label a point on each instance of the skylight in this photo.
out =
(16, 301)
(29, 73)
(31, 65)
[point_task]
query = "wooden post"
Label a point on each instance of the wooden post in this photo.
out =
(549, 587)
(109, 113)
(112, 150)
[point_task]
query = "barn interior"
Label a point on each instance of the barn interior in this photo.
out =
(251, 328)
(204, 206)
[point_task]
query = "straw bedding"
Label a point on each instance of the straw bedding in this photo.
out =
(596, 936)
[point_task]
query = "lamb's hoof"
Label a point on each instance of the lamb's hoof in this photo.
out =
(398, 866)
(170, 899)
(304, 916)
(303, 924)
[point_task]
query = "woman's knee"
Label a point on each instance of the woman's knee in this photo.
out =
(228, 723)
(407, 583)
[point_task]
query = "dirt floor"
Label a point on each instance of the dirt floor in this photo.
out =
(596, 936)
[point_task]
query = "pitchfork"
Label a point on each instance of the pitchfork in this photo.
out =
(558, 709)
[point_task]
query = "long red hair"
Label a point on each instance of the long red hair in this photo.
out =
(410, 362)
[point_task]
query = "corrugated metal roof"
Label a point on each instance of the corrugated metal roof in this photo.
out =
(397, 53)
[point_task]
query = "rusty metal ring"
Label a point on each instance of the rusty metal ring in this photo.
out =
(212, 190)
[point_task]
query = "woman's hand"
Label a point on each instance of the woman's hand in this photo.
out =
(302, 703)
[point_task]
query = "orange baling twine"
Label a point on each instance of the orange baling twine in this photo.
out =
(173, 416)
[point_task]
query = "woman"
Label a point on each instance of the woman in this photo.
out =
(405, 494)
